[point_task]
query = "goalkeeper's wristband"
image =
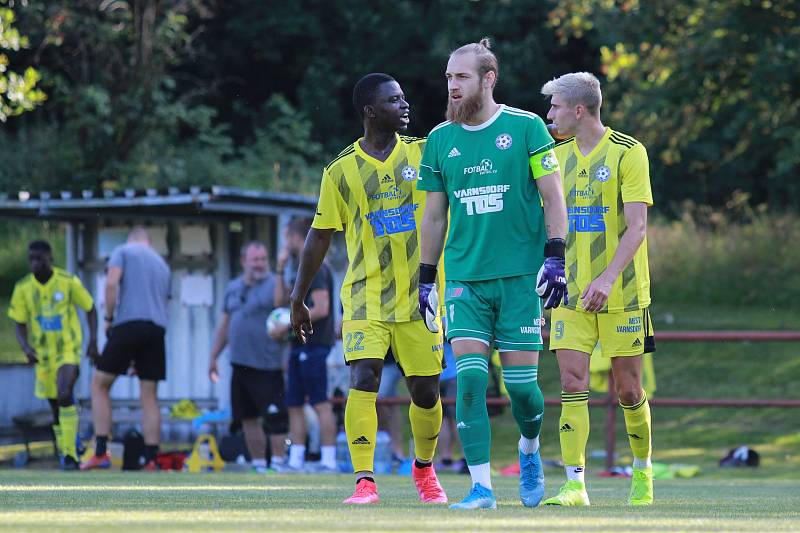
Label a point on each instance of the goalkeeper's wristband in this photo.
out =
(555, 248)
(427, 273)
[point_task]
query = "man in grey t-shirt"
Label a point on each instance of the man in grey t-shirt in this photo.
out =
(136, 297)
(257, 387)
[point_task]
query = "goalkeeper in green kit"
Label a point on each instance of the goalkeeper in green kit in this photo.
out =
(493, 170)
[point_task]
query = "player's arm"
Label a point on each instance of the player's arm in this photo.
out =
(555, 208)
(91, 319)
(596, 294)
(316, 246)
(113, 277)
(434, 227)
(219, 343)
(551, 281)
(21, 331)
(432, 235)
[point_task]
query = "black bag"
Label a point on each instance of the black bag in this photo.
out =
(133, 454)
(232, 446)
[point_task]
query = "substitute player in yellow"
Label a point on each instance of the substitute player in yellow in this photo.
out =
(370, 192)
(607, 189)
(49, 332)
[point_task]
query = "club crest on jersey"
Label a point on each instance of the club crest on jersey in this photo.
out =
(549, 161)
(58, 296)
(409, 173)
(602, 174)
(503, 141)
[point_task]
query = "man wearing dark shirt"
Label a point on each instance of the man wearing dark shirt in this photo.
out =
(307, 379)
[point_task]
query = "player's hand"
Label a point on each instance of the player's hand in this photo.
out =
(91, 351)
(213, 371)
(428, 297)
(596, 294)
(551, 281)
(301, 320)
(31, 354)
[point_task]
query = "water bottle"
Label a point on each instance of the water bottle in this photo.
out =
(343, 462)
(383, 453)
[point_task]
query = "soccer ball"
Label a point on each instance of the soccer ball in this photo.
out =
(280, 316)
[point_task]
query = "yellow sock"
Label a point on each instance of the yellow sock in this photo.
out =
(57, 433)
(68, 420)
(361, 426)
(574, 427)
(637, 424)
(425, 426)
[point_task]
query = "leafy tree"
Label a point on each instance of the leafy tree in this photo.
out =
(18, 92)
(711, 87)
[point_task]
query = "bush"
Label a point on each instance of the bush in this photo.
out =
(736, 255)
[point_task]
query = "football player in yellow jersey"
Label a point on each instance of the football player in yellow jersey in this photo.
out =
(49, 332)
(370, 192)
(607, 189)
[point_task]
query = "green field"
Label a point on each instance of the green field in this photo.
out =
(44, 501)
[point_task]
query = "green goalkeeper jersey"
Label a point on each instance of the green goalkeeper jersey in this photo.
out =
(488, 172)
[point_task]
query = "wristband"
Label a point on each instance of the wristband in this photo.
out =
(427, 273)
(555, 248)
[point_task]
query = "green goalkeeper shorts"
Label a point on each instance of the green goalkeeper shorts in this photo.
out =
(504, 311)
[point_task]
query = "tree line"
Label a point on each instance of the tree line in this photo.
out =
(149, 93)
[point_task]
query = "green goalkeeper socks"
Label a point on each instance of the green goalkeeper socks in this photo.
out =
(472, 418)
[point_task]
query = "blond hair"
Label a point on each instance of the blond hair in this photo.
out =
(577, 88)
(487, 61)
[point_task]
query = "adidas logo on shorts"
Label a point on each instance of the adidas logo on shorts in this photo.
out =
(636, 344)
(361, 440)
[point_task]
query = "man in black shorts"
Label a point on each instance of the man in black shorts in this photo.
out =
(257, 388)
(136, 297)
(307, 372)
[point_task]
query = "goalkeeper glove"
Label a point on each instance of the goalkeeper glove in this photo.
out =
(428, 297)
(551, 282)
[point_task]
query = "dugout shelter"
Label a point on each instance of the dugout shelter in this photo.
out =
(198, 231)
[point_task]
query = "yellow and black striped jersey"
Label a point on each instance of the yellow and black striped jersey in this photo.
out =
(54, 329)
(378, 206)
(596, 186)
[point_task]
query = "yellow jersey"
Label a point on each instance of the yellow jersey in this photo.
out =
(596, 186)
(54, 329)
(378, 206)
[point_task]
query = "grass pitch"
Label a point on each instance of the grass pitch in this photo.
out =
(106, 501)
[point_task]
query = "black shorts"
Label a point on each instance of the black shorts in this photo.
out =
(259, 394)
(139, 343)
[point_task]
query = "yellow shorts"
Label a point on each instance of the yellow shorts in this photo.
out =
(416, 350)
(47, 372)
(620, 334)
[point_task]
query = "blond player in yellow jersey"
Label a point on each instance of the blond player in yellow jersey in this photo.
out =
(607, 189)
(49, 332)
(370, 192)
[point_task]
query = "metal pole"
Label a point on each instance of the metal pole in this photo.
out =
(611, 420)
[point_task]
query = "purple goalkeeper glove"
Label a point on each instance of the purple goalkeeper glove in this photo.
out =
(551, 282)
(428, 297)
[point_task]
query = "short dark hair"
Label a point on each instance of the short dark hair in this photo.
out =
(40, 246)
(299, 226)
(251, 244)
(365, 89)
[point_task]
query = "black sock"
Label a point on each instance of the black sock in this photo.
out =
(422, 465)
(150, 452)
(100, 442)
(447, 462)
(365, 477)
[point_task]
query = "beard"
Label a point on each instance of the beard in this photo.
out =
(466, 110)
